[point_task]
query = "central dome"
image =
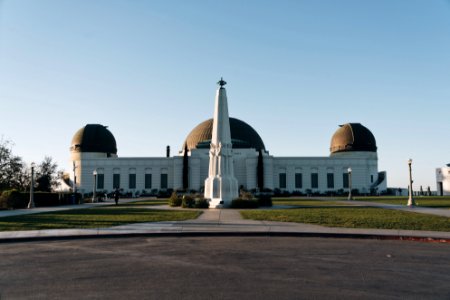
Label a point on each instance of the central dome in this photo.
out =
(242, 136)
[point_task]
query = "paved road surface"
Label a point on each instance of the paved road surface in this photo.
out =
(224, 268)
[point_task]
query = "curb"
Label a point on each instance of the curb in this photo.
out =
(228, 234)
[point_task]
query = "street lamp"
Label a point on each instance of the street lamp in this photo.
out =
(411, 201)
(95, 185)
(74, 178)
(350, 197)
(31, 203)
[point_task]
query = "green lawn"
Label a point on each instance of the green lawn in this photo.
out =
(354, 217)
(93, 218)
(304, 202)
(426, 201)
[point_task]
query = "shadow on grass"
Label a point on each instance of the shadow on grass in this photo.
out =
(92, 218)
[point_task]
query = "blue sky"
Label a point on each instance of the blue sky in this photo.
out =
(295, 71)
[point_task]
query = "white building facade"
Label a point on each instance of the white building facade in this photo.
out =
(443, 181)
(352, 146)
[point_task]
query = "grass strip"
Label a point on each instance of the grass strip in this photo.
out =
(355, 217)
(92, 218)
(425, 201)
(305, 202)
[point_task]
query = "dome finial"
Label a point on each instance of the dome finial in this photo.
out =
(221, 82)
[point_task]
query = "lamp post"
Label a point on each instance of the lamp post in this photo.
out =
(31, 203)
(350, 197)
(95, 185)
(411, 201)
(74, 178)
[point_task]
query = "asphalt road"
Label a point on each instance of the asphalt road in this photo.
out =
(224, 268)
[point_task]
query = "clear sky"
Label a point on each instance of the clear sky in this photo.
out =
(295, 71)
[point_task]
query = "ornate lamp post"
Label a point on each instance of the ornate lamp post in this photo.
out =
(31, 203)
(95, 186)
(411, 201)
(350, 197)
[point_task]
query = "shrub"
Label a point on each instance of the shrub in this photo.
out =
(174, 200)
(201, 203)
(265, 200)
(246, 195)
(187, 201)
(296, 193)
(164, 193)
(244, 203)
(12, 199)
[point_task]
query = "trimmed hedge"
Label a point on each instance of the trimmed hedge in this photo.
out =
(244, 203)
(264, 200)
(201, 203)
(13, 199)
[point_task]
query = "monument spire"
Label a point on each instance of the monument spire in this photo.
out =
(221, 82)
(221, 186)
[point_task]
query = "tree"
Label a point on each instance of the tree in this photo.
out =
(185, 168)
(46, 175)
(260, 171)
(13, 172)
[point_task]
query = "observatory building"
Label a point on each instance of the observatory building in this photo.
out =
(443, 180)
(353, 148)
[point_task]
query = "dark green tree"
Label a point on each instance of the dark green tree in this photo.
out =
(13, 172)
(185, 169)
(260, 171)
(46, 175)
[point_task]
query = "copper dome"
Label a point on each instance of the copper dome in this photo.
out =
(242, 136)
(94, 138)
(353, 137)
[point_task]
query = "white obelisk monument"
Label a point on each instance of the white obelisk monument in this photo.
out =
(221, 187)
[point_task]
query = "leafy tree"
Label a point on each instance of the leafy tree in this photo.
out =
(46, 175)
(13, 172)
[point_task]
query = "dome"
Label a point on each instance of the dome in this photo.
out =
(353, 137)
(94, 138)
(242, 136)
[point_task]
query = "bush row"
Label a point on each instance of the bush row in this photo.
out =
(246, 200)
(12, 199)
(188, 201)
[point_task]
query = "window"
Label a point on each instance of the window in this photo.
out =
(314, 180)
(148, 181)
(345, 180)
(164, 181)
(298, 180)
(330, 180)
(100, 181)
(371, 178)
(116, 181)
(282, 180)
(132, 181)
